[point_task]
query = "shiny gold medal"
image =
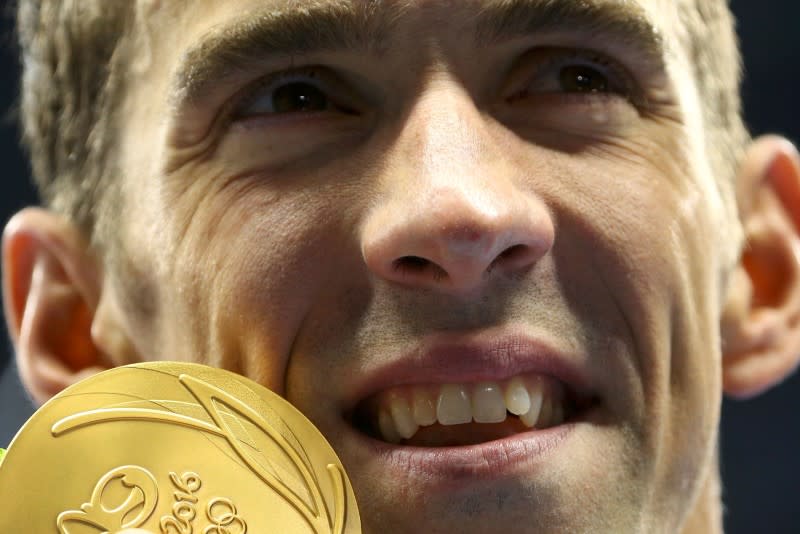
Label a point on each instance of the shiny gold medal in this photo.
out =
(173, 448)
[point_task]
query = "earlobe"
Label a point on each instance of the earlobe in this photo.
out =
(51, 289)
(761, 320)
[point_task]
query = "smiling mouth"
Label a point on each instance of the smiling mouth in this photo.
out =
(463, 414)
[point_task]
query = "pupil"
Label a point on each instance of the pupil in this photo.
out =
(296, 97)
(583, 80)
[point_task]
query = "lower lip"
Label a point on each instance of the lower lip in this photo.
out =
(452, 467)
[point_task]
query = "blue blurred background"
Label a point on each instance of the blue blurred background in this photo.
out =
(760, 443)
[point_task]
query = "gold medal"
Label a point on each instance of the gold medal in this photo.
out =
(173, 448)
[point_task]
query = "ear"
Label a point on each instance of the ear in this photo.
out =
(51, 292)
(761, 320)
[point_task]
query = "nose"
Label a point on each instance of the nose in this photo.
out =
(453, 212)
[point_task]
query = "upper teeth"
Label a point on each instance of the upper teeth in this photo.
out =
(536, 399)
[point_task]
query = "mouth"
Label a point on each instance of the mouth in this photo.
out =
(462, 408)
(464, 391)
(463, 414)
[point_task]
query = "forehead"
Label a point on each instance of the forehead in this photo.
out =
(487, 18)
(217, 37)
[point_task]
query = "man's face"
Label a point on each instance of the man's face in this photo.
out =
(443, 209)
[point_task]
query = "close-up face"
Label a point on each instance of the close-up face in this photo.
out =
(480, 244)
(506, 255)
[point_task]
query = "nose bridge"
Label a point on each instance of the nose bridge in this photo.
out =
(451, 163)
(451, 211)
(447, 135)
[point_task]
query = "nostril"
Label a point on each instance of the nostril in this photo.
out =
(415, 265)
(410, 264)
(511, 257)
(512, 253)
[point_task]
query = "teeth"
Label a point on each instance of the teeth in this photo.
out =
(423, 407)
(488, 405)
(536, 399)
(387, 428)
(517, 399)
(403, 419)
(535, 396)
(454, 407)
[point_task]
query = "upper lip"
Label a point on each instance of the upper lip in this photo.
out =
(475, 357)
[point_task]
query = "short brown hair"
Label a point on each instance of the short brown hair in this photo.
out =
(73, 60)
(74, 65)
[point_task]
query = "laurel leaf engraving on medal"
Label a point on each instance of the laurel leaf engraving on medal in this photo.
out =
(316, 512)
(254, 439)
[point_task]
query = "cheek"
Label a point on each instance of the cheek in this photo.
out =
(647, 226)
(636, 220)
(251, 263)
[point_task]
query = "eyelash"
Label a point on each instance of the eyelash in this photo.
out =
(545, 60)
(551, 60)
(311, 75)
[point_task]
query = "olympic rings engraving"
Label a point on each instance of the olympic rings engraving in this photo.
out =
(224, 517)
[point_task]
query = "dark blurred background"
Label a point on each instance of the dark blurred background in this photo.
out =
(760, 438)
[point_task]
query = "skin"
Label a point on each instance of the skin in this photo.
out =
(271, 255)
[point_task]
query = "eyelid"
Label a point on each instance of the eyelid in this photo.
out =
(314, 75)
(541, 61)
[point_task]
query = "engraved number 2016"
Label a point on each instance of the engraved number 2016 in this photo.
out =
(183, 511)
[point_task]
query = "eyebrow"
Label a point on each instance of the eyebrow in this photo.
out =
(321, 25)
(621, 20)
(366, 26)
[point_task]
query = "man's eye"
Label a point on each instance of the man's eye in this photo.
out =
(581, 79)
(286, 96)
(297, 97)
(565, 71)
(305, 91)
